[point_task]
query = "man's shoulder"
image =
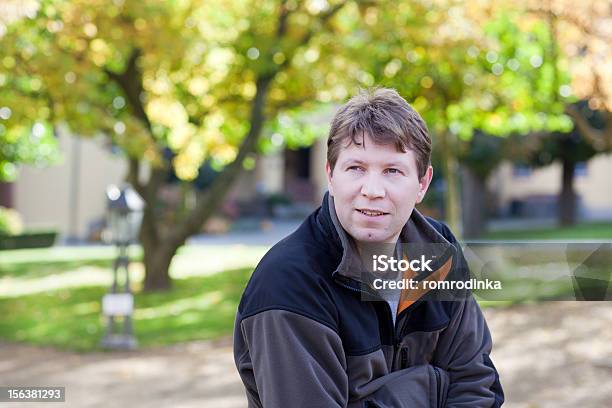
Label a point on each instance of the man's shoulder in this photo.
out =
(461, 269)
(294, 275)
(298, 253)
(442, 228)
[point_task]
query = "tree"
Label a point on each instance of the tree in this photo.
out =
(478, 157)
(197, 77)
(19, 144)
(534, 86)
(579, 45)
(34, 145)
(580, 31)
(569, 148)
(465, 68)
(202, 78)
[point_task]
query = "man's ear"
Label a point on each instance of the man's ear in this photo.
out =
(424, 184)
(328, 170)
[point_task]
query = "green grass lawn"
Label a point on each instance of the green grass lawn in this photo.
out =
(590, 231)
(53, 296)
(196, 308)
(535, 261)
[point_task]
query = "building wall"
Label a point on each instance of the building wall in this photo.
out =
(70, 195)
(591, 185)
(509, 186)
(318, 159)
(269, 171)
(595, 185)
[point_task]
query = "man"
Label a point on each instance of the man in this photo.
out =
(312, 331)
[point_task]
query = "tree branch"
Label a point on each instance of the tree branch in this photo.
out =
(324, 18)
(601, 140)
(585, 25)
(282, 19)
(133, 176)
(130, 81)
(209, 201)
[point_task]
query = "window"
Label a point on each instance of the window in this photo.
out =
(581, 169)
(521, 170)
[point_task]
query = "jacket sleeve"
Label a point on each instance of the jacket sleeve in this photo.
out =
(294, 361)
(464, 349)
(466, 344)
(286, 359)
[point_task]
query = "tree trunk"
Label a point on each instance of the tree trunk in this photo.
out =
(452, 205)
(567, 197)
(6, 194)
(158, 252)
(157, 256)
(473, 204)
(160, 246)
(157, 266)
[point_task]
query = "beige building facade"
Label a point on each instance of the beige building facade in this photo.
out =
(592, 184)
(70, 196)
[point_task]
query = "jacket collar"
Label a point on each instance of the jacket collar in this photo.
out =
(416, 230)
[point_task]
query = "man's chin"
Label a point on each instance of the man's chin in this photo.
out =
(370, 236)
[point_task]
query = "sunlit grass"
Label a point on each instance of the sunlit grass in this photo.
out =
(26, 272)
(197, 308)
(587, 231)
(53, 296)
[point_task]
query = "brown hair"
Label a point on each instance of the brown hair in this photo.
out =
(386, 117)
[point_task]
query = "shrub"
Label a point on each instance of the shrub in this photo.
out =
(10, 222)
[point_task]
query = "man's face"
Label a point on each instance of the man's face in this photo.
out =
(375, 189)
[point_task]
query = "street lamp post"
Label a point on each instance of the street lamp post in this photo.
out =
(124, 212)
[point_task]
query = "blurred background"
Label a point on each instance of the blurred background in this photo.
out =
(157, 149)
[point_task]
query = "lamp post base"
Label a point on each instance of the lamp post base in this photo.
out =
(119, 342)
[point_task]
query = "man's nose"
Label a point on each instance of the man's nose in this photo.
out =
(372, 187)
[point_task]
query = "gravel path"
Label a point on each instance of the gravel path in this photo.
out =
(555, 354)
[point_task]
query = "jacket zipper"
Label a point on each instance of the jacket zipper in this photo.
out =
(391, 324)
(404, 326)
(438, 384)
(404, 358)
(375, 295)
(397, 337)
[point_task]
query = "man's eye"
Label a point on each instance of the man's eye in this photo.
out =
(394, 171)
(355, 168)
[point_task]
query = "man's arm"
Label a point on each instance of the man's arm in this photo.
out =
(464, 348)
(463, 351)
(287, 359)
(295, 361)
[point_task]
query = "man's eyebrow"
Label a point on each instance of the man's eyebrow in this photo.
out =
(361, 162)
(394, 164)
(353, 161)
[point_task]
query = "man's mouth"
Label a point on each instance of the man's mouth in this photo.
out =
(371, 213)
